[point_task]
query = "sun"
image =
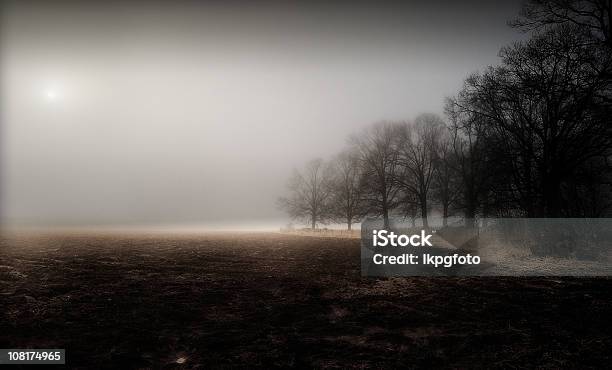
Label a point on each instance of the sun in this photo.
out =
(51, 94)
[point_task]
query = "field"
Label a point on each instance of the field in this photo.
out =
(271, 300)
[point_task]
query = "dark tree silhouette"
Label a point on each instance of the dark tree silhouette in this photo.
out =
(418, 155)
(542, 112)
(593, 17)
(446, 187)
(346, 200)
(309, 194)
(377, 150)
(471, 161)
(530, 137)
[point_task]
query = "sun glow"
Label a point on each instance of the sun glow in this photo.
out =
(53, 91)
(51, 94)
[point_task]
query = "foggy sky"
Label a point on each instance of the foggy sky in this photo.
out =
(193, 112)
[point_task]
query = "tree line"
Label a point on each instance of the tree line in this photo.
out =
(530, 137)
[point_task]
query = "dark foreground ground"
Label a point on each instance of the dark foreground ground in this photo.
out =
(274, 300)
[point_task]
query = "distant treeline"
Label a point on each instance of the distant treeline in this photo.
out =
(531, 137)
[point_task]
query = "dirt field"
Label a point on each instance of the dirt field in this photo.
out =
(276, 300)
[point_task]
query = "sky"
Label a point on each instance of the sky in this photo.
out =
(195, 113)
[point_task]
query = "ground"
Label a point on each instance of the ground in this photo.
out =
(272, 300)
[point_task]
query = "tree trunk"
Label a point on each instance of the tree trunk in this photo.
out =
(471, 206)
(470, 216)
(386, 218)
(385, 211)
(424, 211)
(445, 215)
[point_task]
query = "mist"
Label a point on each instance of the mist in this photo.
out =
(195, 113)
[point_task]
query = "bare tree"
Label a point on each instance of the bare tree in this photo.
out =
(409, 207)
(594, 17)
(346, 202)
(377, 150)
(418, 156)
(309, 194)
(446, 186)
(543, 116)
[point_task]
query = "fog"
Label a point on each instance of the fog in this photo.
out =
(195, 113)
